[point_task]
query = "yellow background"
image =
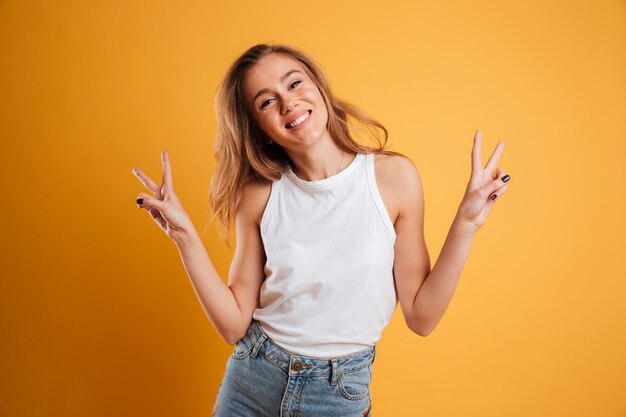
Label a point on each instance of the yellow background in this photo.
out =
(97, 316)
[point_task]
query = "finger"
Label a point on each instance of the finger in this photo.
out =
(495, 156)
(157, 217)
(148, 202)
(498, 173)
(145, 180)
(489, 206)
(498, 182)
(167, 169)
(476, 160)
(498, 193)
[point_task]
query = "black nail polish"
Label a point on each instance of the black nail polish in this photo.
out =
(140, 201)
(506, 178)
(493, 197)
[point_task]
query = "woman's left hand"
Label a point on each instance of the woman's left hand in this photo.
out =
(484, 187)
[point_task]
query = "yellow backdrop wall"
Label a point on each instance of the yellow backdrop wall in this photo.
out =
(97, 316)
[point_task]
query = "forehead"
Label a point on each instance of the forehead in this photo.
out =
(267, 72)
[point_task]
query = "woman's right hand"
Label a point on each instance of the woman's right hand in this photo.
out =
(164, 207)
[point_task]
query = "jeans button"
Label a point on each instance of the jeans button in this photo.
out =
(296, 366)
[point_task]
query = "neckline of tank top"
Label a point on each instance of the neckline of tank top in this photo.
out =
(326, 181)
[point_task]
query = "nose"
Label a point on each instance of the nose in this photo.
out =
(288, 104)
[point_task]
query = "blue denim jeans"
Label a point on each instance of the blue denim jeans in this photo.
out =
(264, 380)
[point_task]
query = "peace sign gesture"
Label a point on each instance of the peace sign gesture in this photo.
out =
(483, 187)
(164, 207)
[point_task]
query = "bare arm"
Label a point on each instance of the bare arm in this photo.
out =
(424, 293)
(434, 296)
(217, 300)
(427, 294)
(230, 308)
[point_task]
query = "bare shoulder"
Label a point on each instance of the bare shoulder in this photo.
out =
(394, 165)
(252, 199)
(396, 177)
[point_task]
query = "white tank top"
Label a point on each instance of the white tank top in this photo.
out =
(329, 288)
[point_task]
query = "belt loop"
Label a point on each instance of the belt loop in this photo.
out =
(334, 372)
(257, 345)
(374, 358)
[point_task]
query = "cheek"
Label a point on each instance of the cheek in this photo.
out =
(267, 121)
(315, 94)
(321, 104)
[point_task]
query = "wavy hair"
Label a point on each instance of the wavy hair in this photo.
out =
(242, 152)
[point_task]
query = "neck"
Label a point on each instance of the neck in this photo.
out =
(321, 163)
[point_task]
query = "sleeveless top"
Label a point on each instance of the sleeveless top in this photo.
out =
(329, 289)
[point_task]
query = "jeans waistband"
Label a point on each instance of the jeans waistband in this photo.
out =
(257, 341)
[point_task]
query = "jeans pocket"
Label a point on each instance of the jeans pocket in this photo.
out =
(242, 348)
(355, 385)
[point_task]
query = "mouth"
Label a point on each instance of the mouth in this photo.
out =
(299, 121)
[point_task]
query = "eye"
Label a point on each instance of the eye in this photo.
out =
(266, 102)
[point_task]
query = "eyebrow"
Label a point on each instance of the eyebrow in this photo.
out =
(283, 78)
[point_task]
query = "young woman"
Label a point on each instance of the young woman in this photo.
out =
(329, 237)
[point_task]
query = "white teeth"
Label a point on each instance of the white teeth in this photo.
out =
(299, 120)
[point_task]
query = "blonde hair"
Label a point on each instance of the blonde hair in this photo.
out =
(242, 152)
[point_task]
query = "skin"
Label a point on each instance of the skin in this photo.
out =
(424, 293)
(314, 154)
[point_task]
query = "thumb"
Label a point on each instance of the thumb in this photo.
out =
(147, 202)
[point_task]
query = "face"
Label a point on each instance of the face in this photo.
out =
(285, 101)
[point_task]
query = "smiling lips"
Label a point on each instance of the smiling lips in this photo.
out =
(299, 120)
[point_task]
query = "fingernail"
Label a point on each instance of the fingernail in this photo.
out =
(140, 201)
(493, 197)
(506, 178)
